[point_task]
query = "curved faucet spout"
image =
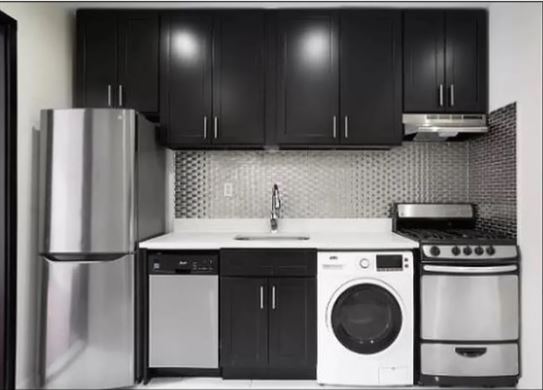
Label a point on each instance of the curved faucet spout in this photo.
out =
(275, 209)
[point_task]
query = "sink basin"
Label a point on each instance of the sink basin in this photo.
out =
(271, 237)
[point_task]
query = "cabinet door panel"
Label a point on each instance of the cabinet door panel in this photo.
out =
(293, 321)
(466, 61)
(307, 77)
(96, 58)
(370, 86)
(239, 78)
(138, 65)
(185, 78)
(244, 322)
(423, 58)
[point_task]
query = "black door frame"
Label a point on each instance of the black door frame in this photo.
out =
(8, 200)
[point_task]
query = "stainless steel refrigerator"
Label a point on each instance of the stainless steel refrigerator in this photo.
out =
(102, 189)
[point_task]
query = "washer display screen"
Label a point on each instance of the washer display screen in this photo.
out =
(366, 318)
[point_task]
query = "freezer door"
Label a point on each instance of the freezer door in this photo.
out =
(87, 324)
(87, 181)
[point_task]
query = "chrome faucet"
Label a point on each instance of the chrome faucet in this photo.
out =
(276, 207)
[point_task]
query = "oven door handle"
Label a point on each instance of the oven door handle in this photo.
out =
(446, 269)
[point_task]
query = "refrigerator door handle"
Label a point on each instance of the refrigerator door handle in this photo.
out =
(83, 257)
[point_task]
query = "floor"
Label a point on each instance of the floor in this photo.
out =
(219, 383)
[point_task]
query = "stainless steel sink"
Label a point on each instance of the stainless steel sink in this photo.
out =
(270, 237)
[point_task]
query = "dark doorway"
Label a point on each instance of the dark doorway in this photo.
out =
(8, 206)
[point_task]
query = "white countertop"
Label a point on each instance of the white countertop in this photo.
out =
(324, 234)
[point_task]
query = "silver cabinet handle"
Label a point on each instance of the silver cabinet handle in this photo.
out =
(346, 126)
(205, 127)
(109, 95)
(334, 126)
(120, 95)
(273, 297)
(452, 96)
(215, 127)
(261, 297)
(441, 95)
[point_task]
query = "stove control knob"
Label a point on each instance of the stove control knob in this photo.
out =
(490, 250)
(364, 263)
(479, 251)
(467, 250)
(455, 250)
(434, 251)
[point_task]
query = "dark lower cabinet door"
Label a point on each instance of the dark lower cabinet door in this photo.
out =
(138, 61)
(185, 78)
(466, 53)
(371, 78)
(293, 319)
(307, 85)
(96, 74)
(424, 76)
(239, 78)
(244, 323)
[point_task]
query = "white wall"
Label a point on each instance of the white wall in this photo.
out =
(515, 75)
(45, 52)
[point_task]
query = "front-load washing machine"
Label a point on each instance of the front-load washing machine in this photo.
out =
(365, 318)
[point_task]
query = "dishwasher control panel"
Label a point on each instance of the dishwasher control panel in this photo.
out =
(183, 263)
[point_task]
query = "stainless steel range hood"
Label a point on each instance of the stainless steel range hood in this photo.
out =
(442, 127)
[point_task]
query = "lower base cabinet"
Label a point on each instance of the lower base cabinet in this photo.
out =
(268, 327)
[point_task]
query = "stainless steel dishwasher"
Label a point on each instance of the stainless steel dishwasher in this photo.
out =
(183, 312)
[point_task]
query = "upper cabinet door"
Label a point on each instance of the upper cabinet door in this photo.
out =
(185, 78)
(96, 59)
(138, 65)
(424, 73)
(466, 61)
(370, 77)
(307, 84)
(239, 78)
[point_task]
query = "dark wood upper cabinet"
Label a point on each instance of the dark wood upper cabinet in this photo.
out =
(244, 322)
(117, 60)
(307, 77)
(239, 78)
(370, 77)
(185, 78)
(424, 59)
(97, 59)
(293, 339)
(445, 61)
(466, 60)
(138, 61)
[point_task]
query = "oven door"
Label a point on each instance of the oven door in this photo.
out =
(462, 303)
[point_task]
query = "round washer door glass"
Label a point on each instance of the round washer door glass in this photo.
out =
(366, 318)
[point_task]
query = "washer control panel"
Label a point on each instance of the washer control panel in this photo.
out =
(364, 262)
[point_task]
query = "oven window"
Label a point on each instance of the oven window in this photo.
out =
(366, 318)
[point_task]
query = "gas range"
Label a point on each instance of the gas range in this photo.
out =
(447, 233)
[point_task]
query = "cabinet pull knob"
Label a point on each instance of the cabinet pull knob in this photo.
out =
(273, 297)
(261, 297)
(346, 126)
(215, 127)
(205, 127)
(334, 126)
(452, 95)
(120, 95)
(441, 95)
(109, 95)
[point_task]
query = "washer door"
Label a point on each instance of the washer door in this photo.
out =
(366, 318)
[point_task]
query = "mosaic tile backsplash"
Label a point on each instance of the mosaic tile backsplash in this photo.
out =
(355, 184)
(319, 184)
(493, 173)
